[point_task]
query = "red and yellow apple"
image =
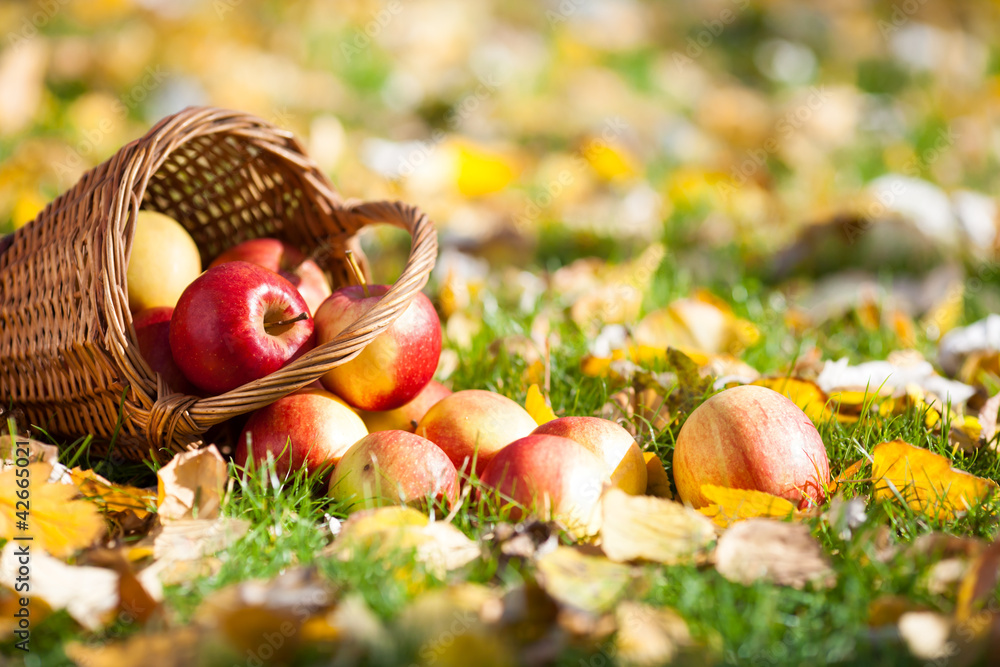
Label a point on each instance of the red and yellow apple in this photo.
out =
(612, 443)
(287, 261)
(236, 323)
(163, 261)
(393, 468)
(548, 476)
(392, 369)
(751, 437)
(472, 425)
(310, 428)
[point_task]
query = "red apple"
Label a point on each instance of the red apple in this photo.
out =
(407, 417)
(612, 443)
(285, 260)
(236, 323)
(751, 437)
(309, 428)
(152, 332)
(473, 425)
(549, 476)
(393, 368)
(393, 468)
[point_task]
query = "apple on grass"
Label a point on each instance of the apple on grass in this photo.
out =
(393, 468)
(751, 437)
(163, 261)
(408, 416)
(287, 261)
(472, 425)
(236, 323)
(612, 443)
(309, 428)
(393, 368)
(548, 476)
(152, 332)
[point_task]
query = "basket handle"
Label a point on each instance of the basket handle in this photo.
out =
(177, 414)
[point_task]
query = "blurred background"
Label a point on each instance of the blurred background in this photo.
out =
(848, 146)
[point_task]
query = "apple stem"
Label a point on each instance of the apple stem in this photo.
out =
(356, 270)
(293, 320)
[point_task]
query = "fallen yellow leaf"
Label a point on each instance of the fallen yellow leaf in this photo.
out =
(49, 513)
(482, 171)
(804, 393)
(732, 505)
(112, 497)
(657, 482)
(537, 406)
(653, 529)
(926, 481)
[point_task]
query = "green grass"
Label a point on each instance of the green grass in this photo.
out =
(759, 624)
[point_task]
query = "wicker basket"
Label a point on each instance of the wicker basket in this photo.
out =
(69, 360)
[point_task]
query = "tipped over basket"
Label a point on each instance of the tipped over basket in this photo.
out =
(69, 359)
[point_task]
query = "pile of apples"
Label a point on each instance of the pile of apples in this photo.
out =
(389, 432)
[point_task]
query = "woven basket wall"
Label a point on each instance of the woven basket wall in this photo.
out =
(69, 360)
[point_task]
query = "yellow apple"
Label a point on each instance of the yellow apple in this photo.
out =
(163, 262)
(612, 443)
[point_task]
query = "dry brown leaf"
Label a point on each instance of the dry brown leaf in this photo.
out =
(113, 497)
(180, 548)
(438, 545)
(657, 481)
(649, 636)
(139, 595)
(988, 420)
(88, 594)
(585, 582)
(925, 481)
(775, 551)
(56, 520)
(654, 529)
(732, 505)
(190, 486)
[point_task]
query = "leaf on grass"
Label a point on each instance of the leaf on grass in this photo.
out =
(439, 545)
(600, 293)
(139, 595)
(849, 475)
(180, 647)
(732, 505)
(925, 480)
(648, 636)
(776, 551)
(190, 486)
(57, 520)
(88, 594)
(702, 322)
(113, 497)
(653, 529)
(538, 406)
(988, 420)
(592, 584)
(181, 548)
(804, 393)
(657, 481)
